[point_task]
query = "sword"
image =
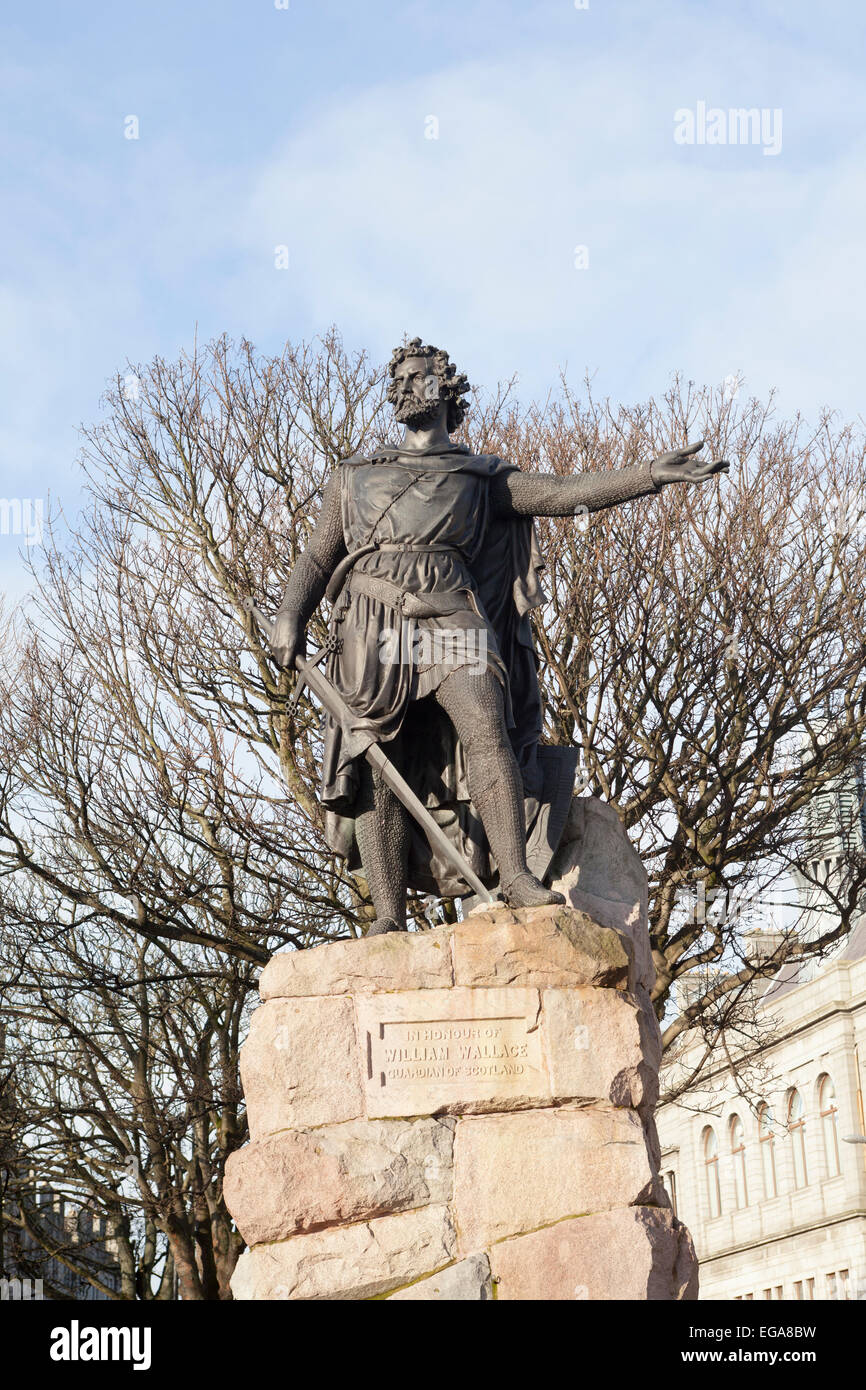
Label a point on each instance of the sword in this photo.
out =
(310, 675)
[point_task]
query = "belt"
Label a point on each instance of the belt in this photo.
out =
(394, 545)
(411, 605)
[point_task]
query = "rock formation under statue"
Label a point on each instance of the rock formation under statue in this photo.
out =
(465, 1113)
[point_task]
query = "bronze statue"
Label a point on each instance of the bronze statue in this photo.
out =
(429, 555)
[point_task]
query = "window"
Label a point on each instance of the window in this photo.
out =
(711, 1168)
(780, 1290)
(738, 1154)
(829, 1111)
(838, 1285)
(768, 1293)
(767, 1142)
(797, 1131)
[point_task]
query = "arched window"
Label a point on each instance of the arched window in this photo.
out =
(738, 1154)
(767, 1145)
(829, 1111)
(711, 1168)
(797, 1131)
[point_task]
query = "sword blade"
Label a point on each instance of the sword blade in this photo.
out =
(336, 706)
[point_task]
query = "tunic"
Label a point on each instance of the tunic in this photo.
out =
(425, 557)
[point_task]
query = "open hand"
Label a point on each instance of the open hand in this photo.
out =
(681, 466)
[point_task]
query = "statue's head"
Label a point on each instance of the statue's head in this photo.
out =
(423, 379)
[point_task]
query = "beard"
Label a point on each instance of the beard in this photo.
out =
(408, 410)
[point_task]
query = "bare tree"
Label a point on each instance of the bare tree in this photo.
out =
(705, 649)
(128, 1102)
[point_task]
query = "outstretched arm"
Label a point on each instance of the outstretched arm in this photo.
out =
(546, 494)
(309, 577)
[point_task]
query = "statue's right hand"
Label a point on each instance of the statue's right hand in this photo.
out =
(287, 641)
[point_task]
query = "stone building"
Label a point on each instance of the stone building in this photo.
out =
(775, 1193)
(28, 1269)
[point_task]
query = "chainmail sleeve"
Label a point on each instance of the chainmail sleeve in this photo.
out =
(547, 494)
(312, 570)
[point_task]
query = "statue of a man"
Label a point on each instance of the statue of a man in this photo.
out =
(428, 553)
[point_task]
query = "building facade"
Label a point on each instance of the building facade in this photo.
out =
(78, 1236)
(774, 1193)
(774, 1190)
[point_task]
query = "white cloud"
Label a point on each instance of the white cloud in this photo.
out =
(701, 260)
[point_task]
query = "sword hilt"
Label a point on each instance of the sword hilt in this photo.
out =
(264, 623)
(267, 627)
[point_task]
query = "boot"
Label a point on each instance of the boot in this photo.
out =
(527, 891)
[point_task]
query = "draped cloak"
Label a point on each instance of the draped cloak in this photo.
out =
(422, 539)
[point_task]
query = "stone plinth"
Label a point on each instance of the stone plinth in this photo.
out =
(466, 1113)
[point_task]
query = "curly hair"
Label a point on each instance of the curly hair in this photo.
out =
(453, 385)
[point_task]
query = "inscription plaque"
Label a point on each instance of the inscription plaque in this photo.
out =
(451, 1049)
(460, 1050)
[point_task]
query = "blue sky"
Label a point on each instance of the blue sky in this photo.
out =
(305, 127)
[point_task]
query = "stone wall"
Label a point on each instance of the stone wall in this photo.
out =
(464, 1113)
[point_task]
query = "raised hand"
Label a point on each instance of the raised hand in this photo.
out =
(681, 466)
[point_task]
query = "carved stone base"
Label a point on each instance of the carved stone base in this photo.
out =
(464, 1113)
